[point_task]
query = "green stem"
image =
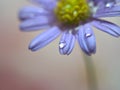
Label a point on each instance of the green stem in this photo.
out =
(91, 73)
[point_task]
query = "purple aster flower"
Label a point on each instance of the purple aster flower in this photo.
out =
(73, 18)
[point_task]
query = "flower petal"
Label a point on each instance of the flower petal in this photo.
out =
(107, 27)
(35, 23)
(108, 12)
(86, 39)
(104, 2)
(29, 12)
(66, 44)
(117, 1)
(48, 4)
(71, 45)
(44, 39)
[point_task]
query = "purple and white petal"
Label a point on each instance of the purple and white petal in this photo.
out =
(66, 43)
(47, 4)
(86, 39)
(41, 22)
(45, 38)
(107, 27)
(29, 12)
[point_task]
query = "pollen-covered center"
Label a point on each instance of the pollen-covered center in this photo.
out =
(72, 12)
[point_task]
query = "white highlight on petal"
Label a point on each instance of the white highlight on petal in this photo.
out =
(88, 34)
(109, 5)
(62, 45)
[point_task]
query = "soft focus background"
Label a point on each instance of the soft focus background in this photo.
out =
(46, 69)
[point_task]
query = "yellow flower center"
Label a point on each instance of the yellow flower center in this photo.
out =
(72, 12)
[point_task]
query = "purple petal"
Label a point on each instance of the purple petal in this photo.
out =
(107, 27)
(35, 23)
(108, 12)
(29, 12)
(44, 39)
(71, 45)
(48, 4)
(117, 1)
(104, 2)
(86, 39)
(66, 44)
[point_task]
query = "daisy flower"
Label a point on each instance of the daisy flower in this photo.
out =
(71, 18)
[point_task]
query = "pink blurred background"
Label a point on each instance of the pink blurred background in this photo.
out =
(46, 69)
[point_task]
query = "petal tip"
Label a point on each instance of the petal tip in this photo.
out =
(32, 48)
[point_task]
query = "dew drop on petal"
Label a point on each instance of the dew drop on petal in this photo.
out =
(62, 44)
(109, 5)
(88, 35)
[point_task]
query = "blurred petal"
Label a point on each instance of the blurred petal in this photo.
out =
(66, 44)
(44, 39)
(108, 12)
(117, 1)
(107, 27)
(29, 12)
(35, 23)
(86, 39)
(104, 2)
(71, 45)
(48, 4)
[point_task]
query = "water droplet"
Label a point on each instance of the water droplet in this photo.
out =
(88, 34)
(62, 44)
(109, 5)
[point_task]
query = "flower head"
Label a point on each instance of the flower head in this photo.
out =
(73, 18)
